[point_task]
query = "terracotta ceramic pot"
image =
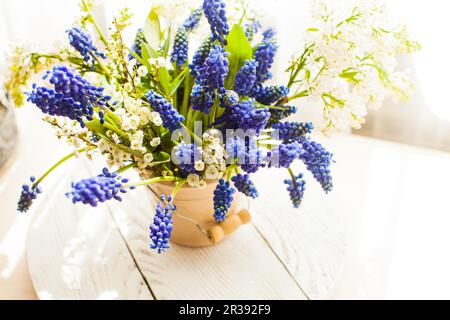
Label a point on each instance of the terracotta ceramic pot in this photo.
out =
(194, 224)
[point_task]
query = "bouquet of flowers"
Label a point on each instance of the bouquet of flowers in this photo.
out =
(207, 115)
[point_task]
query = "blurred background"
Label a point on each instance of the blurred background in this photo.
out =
(397, 190)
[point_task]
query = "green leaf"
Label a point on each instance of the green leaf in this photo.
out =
(240, 51)
(178, 81)
(166, 45)
(152, 29)
(164, 80)
(136, 56)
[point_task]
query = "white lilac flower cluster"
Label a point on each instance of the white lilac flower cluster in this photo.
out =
(350, 62)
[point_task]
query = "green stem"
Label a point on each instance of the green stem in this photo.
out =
(151, 181)
(292, 174)
(298, 95)
(178, 187)
(103, 67)
(186, 97)
(56, 165)
(196, 138)
(126, 168)
(111, 114)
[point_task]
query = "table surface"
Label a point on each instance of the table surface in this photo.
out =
(381, 234)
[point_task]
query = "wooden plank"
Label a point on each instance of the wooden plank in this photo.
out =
(310, 241)
(77, 252)
(242, 267)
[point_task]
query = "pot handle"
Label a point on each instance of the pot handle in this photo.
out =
(223, 229)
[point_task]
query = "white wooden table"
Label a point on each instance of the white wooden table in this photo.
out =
(78, 252)
(390, 208)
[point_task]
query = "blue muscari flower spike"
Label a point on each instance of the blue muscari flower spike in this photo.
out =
(214, 70)
(28, 195)
(318, 161)
(162, 226)
(245, 116)
(296, 190)
(193, 20)
(137, 44)
(255, 160)
(269, 95)
(235, 148)
(216, 14)
(293, 131)
(246, 78)
(185, 156)
(223, 198)
(200, 56)
(83, 43)
(245, 152)
(251, 29)
(170, 117)
(202, 99)
(180, 47)
(104, 187)
(265, 56)
(284, 155)
(244, 185)
(72, 97)
(229, 99)
(269, 34)
(278, 115)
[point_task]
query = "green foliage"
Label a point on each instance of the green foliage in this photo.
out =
(240, 51)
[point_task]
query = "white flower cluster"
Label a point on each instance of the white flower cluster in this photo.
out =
(213, 164)
(350, 65)
(114, 156)
(70, 130)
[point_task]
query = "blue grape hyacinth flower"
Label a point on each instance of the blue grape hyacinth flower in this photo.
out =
(265, 56)
(193, 20)
(269, 95)
(246, 153)
(296, 189)
(251, 29)
(276, 115)
(215, 69)
(269, 34)
(318, 161)
(200, 56)
(202, 99)
(215, 12)
(246, 78)
(244, 185)
(284, 155)
(223, 198)
(82, 41)
(72, 97)
(99, 189)
(139, 40)
(293, 131)
(186, 155)
(28, 195)
(162, 226)
(180, 47)
(170, 117)
(244, 116)
(229, 99)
